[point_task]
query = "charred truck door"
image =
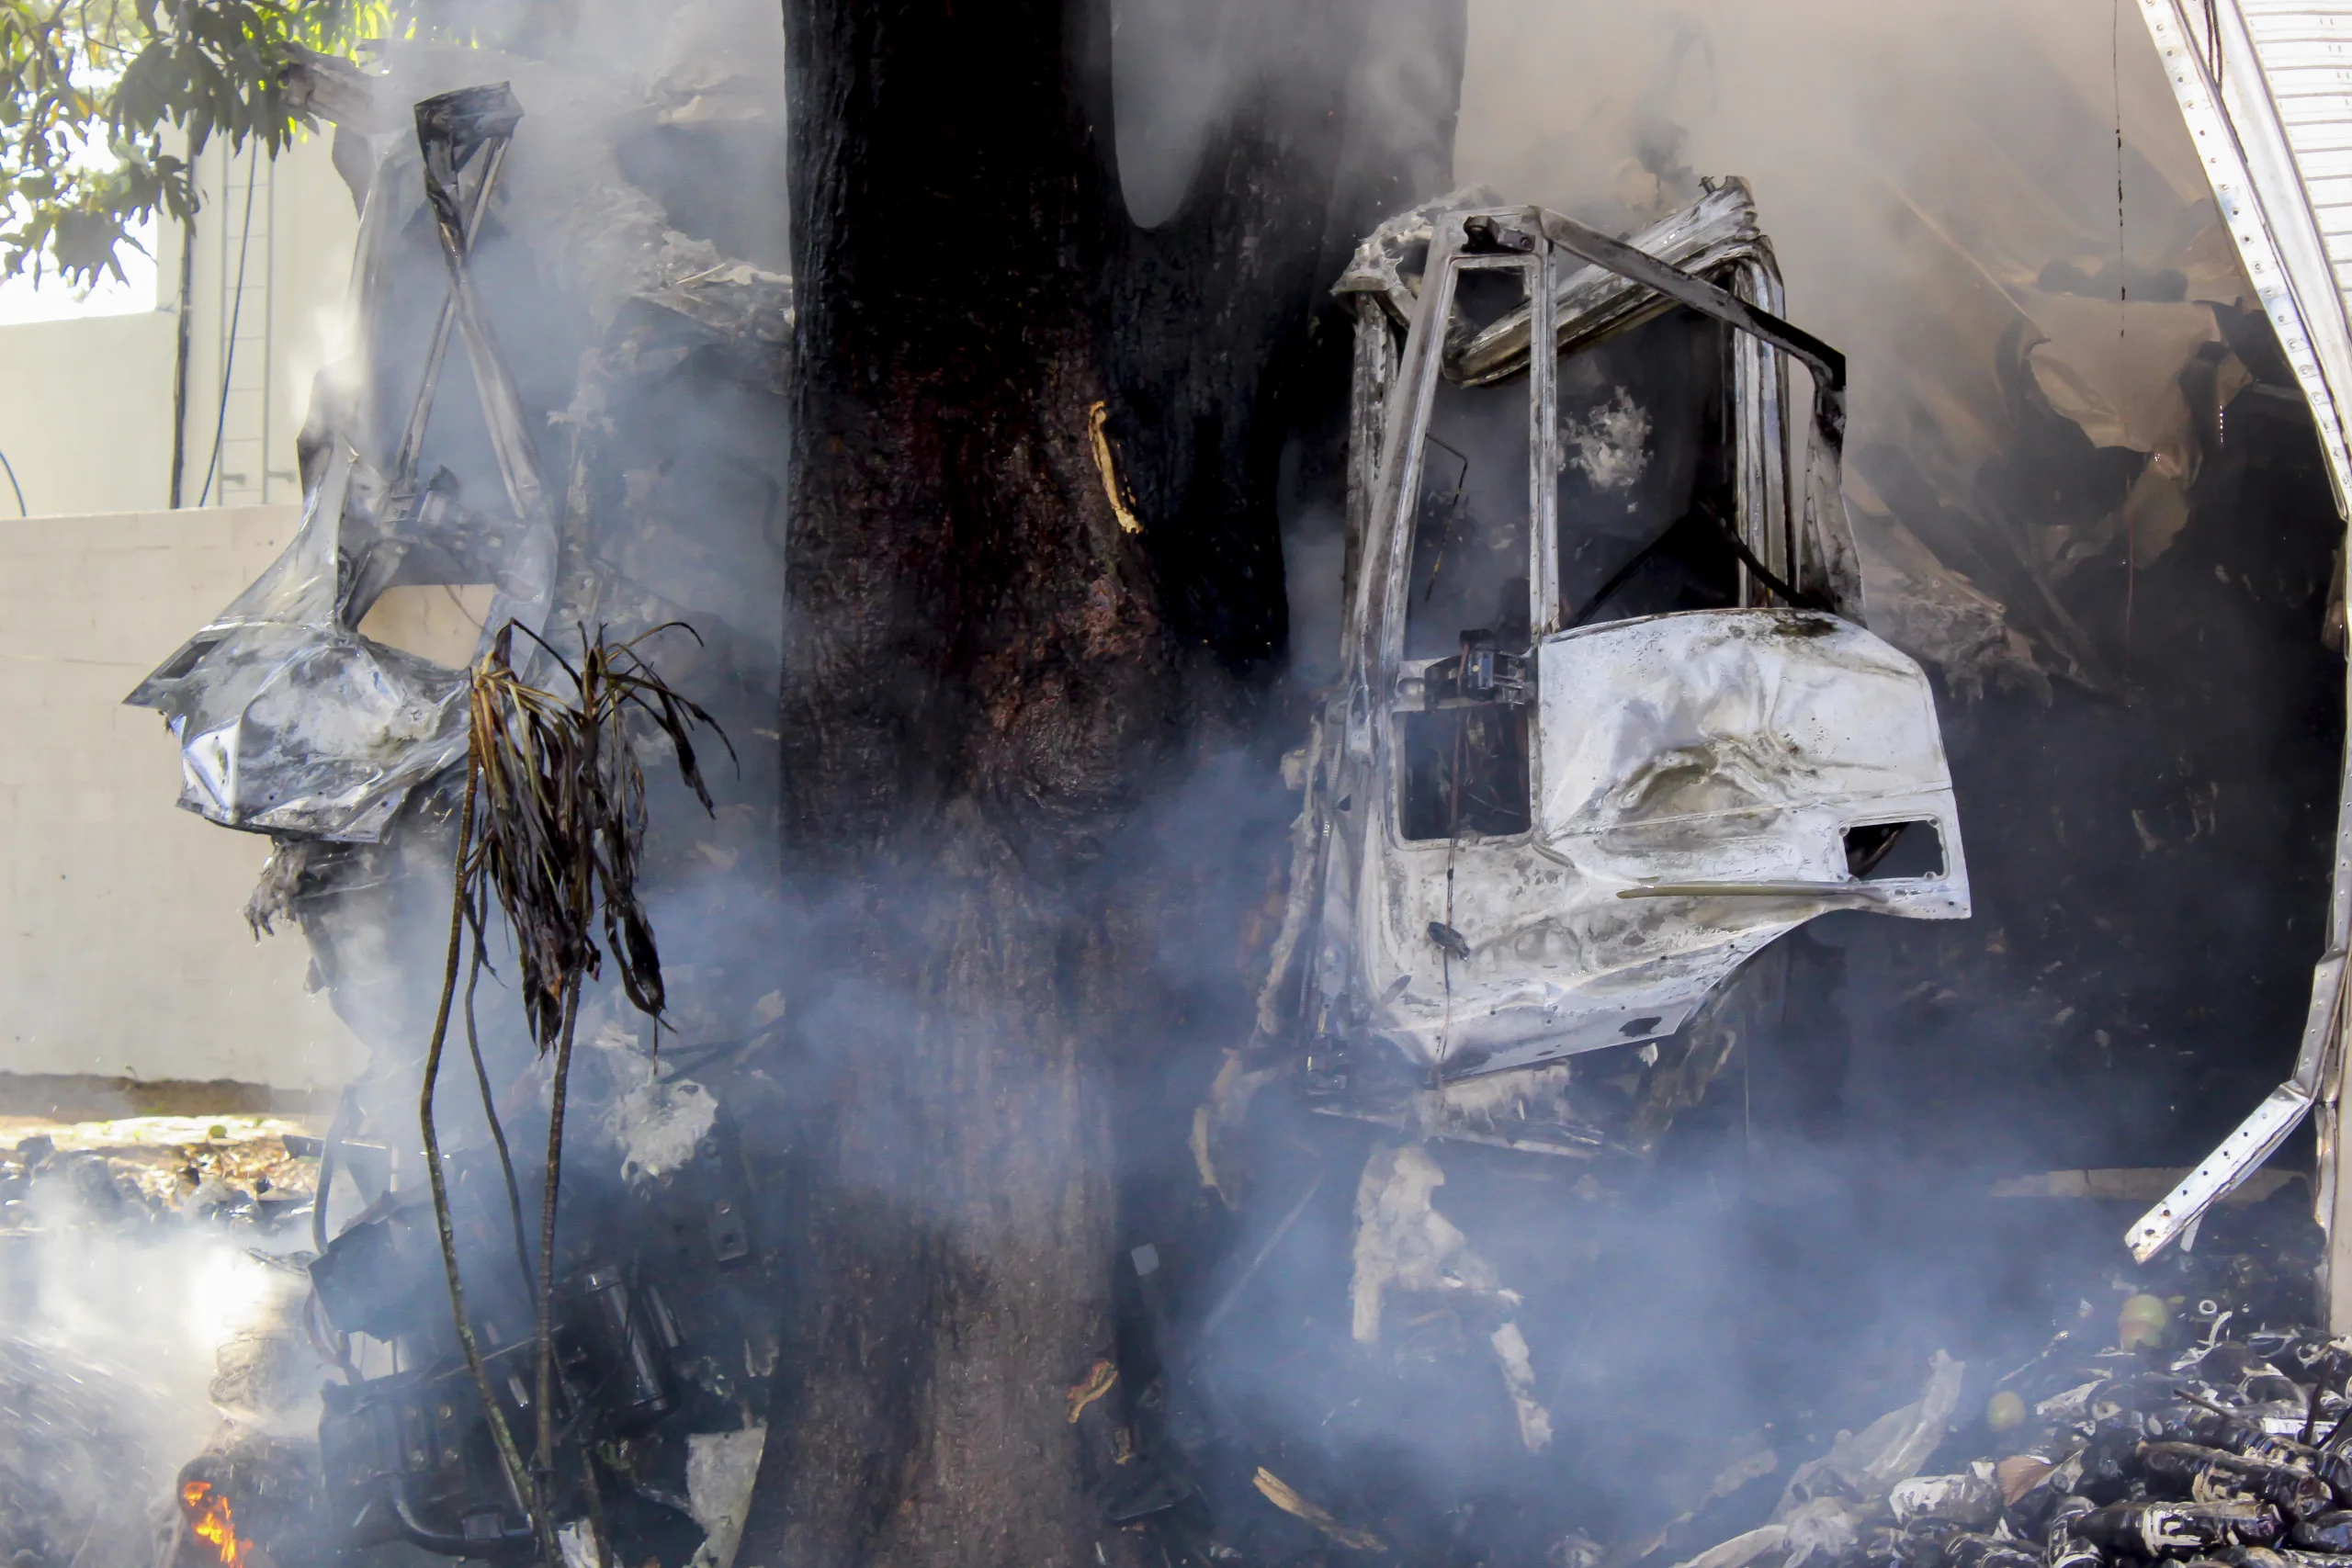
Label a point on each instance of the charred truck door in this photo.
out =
(1606, 726)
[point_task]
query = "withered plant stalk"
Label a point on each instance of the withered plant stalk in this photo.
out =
(553, 831)
(508, 1454)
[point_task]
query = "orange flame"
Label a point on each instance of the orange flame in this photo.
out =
(211, 1520)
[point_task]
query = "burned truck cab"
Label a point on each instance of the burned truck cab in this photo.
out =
(1609, 722)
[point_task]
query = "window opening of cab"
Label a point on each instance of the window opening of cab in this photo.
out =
(1466, 771)
(1464, 763)
(1648, 479)
(1472, 505)
(1894, 852)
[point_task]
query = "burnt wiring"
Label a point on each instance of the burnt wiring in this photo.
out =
(1794, 597)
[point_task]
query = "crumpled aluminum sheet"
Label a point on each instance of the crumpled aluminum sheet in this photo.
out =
(289, 721)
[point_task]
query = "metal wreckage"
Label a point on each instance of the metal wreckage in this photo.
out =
(327, 706)
(1609, 725)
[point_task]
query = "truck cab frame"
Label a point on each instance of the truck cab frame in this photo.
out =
(1607, 723)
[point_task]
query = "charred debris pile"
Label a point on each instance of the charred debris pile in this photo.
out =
(560, 416)
(240, 1174)
(112, 1236)
(2208, 1425)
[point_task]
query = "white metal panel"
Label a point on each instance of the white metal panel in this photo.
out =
(1697, 773)
(2265, 89)
(1729, 751)
(2267, 99)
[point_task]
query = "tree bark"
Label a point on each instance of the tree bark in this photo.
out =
(988, 670)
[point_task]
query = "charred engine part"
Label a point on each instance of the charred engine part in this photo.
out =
(652, 1304)
(411, 1457)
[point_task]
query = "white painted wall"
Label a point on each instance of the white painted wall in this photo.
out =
(86, 413)
(297, 252)
(123, 949)
(87, 403)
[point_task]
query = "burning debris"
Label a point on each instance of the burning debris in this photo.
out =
(212, 1520)
(591, 1380)
(174, 1241)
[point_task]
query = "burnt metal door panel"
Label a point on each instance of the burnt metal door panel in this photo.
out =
(1745, 752)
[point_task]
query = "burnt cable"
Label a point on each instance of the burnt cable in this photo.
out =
(1797, 598)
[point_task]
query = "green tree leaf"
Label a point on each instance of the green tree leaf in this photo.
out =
(100, 99)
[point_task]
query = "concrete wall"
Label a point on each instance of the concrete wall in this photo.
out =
(86, 413)
(122, 945)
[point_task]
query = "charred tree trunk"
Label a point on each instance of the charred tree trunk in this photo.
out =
(996, 653)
